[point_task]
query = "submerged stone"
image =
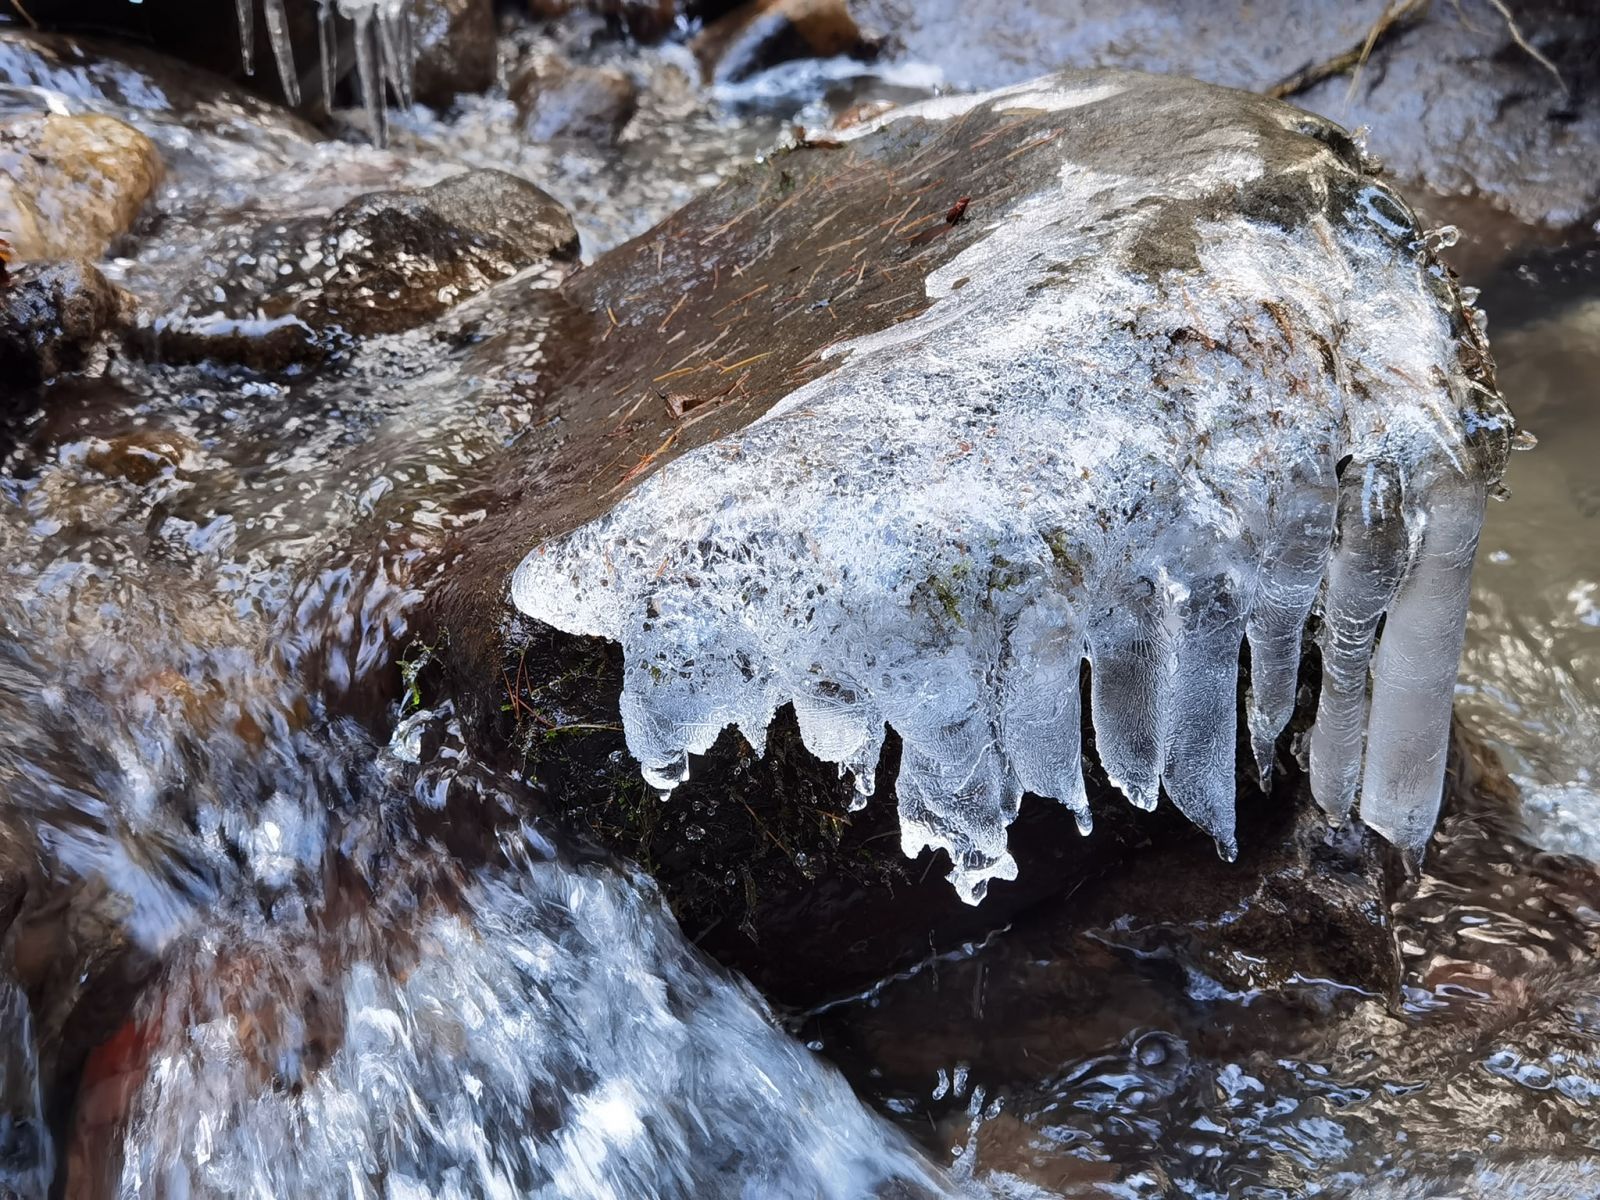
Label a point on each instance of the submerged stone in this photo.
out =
(1105, 367)
(384, 262)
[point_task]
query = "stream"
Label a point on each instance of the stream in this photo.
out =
(306, 941)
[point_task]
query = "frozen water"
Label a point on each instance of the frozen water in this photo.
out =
(381, 32)
(1073, 455)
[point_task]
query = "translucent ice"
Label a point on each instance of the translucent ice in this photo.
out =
(1087, 449)
(381, 32)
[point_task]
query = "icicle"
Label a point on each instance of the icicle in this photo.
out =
(957, 795)
(327, 51)
(395, 44)
(1362, 578)
(1291, 572)
(839, 726)
(1414, 674)
(245, 11)
(1040, 715)
(369, 76)
(1199, 755)
(1130, 692)
(282, 50)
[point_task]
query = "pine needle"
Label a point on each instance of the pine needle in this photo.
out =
(1516, 36)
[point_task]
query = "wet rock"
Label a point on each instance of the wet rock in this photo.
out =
(69, 185)
(698, 328)
(455, 48)
(763, 33)
(646, 20)
(384, 262)
(1452, 103)
(51, 316)
(593, 104)
(402, 257)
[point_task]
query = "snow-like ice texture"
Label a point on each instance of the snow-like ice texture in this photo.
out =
(1189, 386)
(385, 56)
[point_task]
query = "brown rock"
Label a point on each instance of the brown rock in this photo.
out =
(455, 42)
(384, 262)
(764, 33)
(589, 103)
(50, 316)
(69, 185)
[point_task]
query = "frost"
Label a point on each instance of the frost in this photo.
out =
(1074, 455)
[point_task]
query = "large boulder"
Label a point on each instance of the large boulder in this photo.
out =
(761, 520)
(69, 185)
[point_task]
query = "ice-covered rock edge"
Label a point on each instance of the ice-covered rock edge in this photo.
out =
(1067, 458)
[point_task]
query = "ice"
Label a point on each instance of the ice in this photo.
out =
(1413, 678)
(1071, 456)
(1362, 579)
(282, 51)
(381, 33)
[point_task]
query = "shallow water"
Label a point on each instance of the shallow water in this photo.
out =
(1531, 674)
(301, 960)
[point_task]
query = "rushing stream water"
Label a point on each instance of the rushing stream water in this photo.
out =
(309, 958)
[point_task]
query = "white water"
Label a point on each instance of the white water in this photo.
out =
(384, 55)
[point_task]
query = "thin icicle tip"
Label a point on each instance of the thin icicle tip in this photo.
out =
(1075, 454)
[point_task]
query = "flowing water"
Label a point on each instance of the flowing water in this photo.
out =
(304, 943)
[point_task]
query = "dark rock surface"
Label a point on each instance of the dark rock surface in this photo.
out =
(455, 46)
(763, 33)
(382, 263)
(51, 315)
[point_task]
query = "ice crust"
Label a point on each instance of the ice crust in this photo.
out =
(1067, 457)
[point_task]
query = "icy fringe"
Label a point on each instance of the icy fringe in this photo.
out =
(384, 53)
(1066, 459)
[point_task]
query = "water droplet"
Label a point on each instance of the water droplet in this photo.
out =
(1442, 238)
